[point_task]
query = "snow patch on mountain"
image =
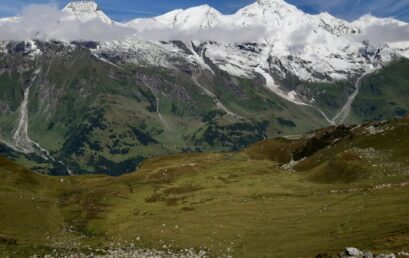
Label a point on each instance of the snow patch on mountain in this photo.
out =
(141, 52)
(3, 47)
(27, 48)
(197, 56)
(32, 50)
(9, 20)
(334, 25)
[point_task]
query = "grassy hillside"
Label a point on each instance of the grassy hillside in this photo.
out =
(337, 187)
(383, 94)
(97, 116)
(102, 117)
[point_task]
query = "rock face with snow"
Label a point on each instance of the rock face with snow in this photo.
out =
(86, 11)
(201, 17)
(311, 47)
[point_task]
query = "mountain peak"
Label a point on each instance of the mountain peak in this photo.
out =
(82, 6)
(86, 11)
(274, 14)
(269, 6)
(203, 10)
(203, 7)
(198, 17)
(270, 2)
(203, 16)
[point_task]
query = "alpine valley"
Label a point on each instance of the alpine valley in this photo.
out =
(269, 132)
(172, 86)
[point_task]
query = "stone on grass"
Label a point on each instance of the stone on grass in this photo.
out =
(353, 252)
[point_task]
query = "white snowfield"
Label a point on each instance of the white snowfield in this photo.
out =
(286, 42)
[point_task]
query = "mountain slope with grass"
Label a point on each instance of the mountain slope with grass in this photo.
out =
(382, 94)
(84, 114)
(102, 117)
(286, 197)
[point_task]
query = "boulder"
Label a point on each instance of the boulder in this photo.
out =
(385, 256)
(353, 252)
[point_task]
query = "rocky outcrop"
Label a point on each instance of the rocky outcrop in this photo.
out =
(352, 252)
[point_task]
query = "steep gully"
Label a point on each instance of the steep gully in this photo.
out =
(198, 56)
(264, 70)
(338, 119)
(161, 118)
(21, 140)
(346, 109)
(216, 100)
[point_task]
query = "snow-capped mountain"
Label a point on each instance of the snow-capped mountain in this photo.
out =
(312, 47)
(334, 25)
(86, 11)
(289, 42)
(9, 20)
(200, 17)
(273, 14)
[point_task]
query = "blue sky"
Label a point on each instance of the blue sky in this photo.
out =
(128, 9)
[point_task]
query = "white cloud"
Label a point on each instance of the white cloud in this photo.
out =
(381, 34)
(298, 38)
(46, 22)
(219, 34)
